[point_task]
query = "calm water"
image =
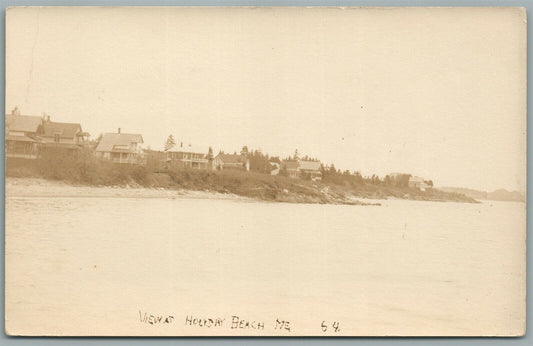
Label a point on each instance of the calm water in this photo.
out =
(88, 265)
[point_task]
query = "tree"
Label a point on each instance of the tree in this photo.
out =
(358, 178)
(209, 155)
(259, 162)
(324, 171)
(244, 151)
(99, 138)
(296, 156)
(402, 180)
(275, 159)
(375, 180)
(171, 143)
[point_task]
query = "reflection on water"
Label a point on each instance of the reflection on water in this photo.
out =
(403, 268)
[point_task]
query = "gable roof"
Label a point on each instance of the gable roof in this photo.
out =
(232, 158)
(113, 141)
(23, 123)
(290, 164)
(296, 165)
(310, 165)
(65, 130)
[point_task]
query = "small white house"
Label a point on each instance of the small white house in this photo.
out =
(275, 170)
(417, 183)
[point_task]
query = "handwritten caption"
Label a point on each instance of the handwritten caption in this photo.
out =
(233, 322)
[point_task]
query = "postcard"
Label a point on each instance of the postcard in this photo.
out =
(265, 171)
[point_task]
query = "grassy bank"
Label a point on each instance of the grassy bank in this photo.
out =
(86, 170)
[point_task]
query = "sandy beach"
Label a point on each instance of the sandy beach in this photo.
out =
(34, 187)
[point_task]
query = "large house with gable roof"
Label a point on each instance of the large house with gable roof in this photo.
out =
(27, 136)
(231, 161)
(22, 133)
(302, 168)
(121, 148)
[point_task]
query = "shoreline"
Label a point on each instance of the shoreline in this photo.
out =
(79, 177)
(42, 188)
(39, 187)
(251, 191)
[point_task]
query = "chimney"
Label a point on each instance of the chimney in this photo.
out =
(119, 130)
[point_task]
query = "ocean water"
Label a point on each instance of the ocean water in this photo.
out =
(96, 266)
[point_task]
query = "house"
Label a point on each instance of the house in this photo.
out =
(310, 169)
(22, 133)
(189, 157)
(121, 148)
(417, 183)
(67, 137)
(275, 170)
(302, 169)
(292, 168)
(29, 136)
(63, 134)
(231, 161)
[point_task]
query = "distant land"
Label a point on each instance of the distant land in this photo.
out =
(496, 195)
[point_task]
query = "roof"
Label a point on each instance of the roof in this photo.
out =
(66, 130)
(118, 141)
(23, 123)
(310, 165)
(290, 164)
(416, 180)
(232, 158)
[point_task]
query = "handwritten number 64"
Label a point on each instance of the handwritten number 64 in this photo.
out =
(335, 326)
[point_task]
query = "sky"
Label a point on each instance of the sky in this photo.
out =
(439, 93)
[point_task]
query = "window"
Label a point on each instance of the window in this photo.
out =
(56, 137)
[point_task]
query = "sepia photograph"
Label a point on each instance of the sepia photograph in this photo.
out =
(265, 171)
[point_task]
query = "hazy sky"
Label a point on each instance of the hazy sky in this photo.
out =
(439, 93)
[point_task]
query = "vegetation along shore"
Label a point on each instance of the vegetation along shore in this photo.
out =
(335, 187)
